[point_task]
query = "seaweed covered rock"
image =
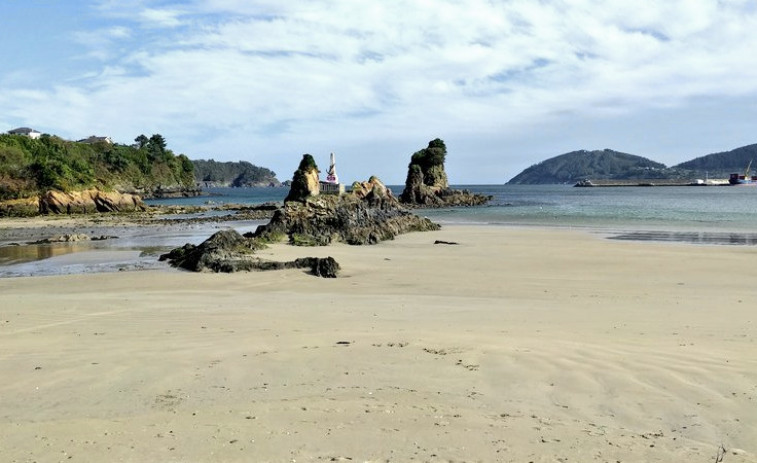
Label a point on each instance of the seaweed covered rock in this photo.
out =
(367, 215)
(427, 185)
(324, 267)
(227, 251)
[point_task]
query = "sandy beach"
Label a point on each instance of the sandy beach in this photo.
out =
(517, 344)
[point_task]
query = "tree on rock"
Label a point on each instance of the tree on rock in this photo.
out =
(431, 163)
(304, 181)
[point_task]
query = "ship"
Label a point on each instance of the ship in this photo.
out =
(743, 179)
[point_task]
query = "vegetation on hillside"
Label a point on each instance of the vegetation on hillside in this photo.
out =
(235, 174)
(29, 167)
(600, 164)
(720, 165)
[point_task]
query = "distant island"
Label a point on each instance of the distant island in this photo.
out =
(211, 173)
(610, 165)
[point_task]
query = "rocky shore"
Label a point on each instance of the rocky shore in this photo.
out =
(93, 200)
(368, 215)
(227, 251)
(314, 213)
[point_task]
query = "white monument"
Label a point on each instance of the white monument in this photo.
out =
(331, 176)
(332, 185)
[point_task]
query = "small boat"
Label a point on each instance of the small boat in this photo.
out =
(745, 179)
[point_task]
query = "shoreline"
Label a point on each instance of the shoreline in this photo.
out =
(514, 345)
(136, 240)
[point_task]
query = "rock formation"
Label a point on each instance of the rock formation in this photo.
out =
(57, 202)
(76, 202)
(72, 238)
(367, 215)
(305, 180)
(25, 207)
(227, 251)
(427, 184)
(172, 191)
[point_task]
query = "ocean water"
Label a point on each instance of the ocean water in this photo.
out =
(715, 209)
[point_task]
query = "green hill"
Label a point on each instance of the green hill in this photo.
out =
(235, 174)
(720, 165)
(600, 164)
(29, 166)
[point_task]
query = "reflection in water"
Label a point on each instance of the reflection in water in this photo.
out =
(737, 239)
(10, 255)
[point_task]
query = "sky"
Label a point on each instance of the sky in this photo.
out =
(505, 83)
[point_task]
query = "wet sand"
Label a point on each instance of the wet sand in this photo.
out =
(517, 344)
(134, 242)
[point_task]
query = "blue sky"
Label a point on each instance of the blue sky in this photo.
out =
(506, 83)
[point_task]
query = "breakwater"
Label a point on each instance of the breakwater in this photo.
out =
(649, 182)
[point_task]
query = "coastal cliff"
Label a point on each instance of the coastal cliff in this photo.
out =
(74, 202)
(89, 201)
(52, 175)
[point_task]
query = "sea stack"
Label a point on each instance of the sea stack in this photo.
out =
(304, 181)
(427, 184)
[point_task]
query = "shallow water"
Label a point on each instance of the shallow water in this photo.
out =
(132, 247)
(715, 209)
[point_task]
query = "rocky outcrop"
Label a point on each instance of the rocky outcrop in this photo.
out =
(88, 201)
(372, 191)
(305, 181)
(367, 215)
(176, 191)
(72, 238)
(325, 268)
(427, 185)
(227, 251)
(422, 196)
(77, 202)
(25, 207)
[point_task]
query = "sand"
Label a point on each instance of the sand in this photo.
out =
(518, 344)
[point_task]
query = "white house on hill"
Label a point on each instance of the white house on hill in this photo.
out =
(93, 139)
(26, 131)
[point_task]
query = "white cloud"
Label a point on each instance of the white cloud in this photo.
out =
(272, 76)
(154, 17)
(100, 41)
